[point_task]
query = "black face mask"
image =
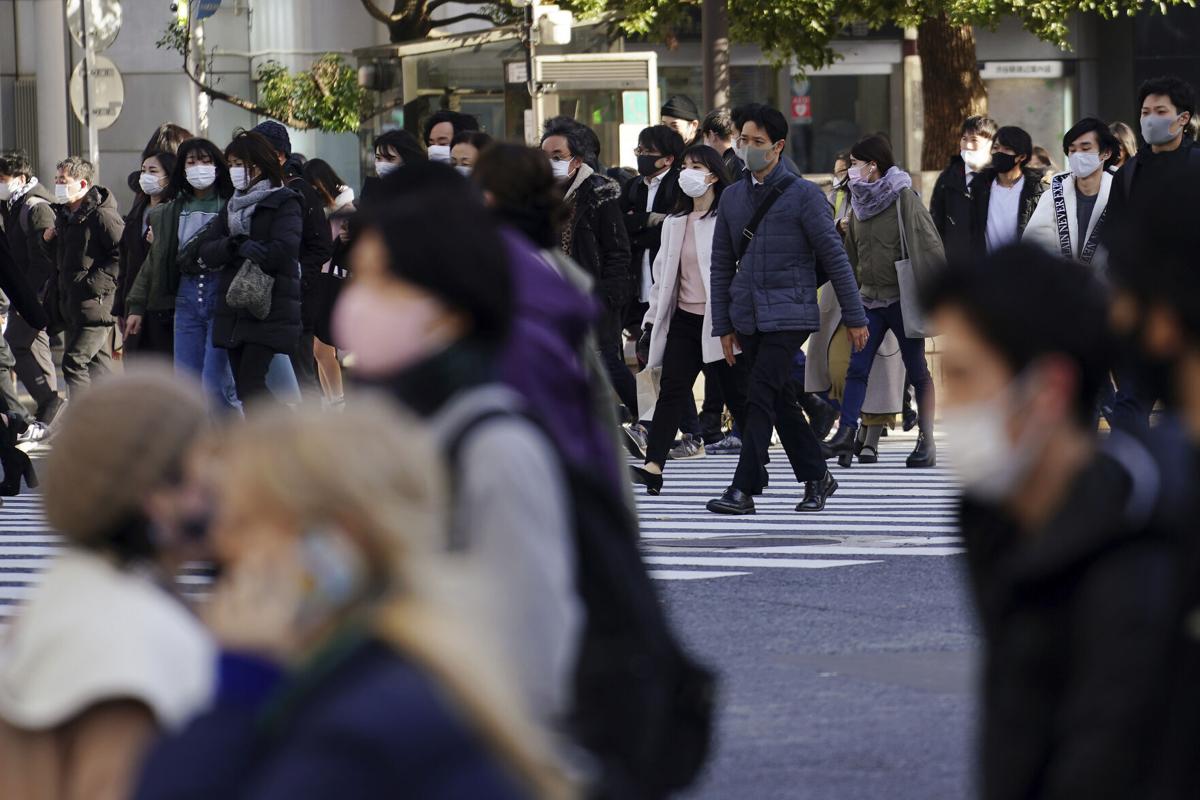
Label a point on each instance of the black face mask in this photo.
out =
(1003, 162)
(648, 165)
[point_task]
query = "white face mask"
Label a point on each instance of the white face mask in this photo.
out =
(989, 466)
(241, 180)
(439, 152)
(463, 170)
(694, 182)
(1083, 164)
(151, 184)
(976, 160)
(66, 192)
(385, 168)
(8, 189)
(201, 176)
(561, 169)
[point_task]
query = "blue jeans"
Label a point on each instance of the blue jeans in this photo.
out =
(912, 351)
(281, 380)
(195, 307)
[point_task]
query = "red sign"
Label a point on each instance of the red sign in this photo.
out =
(801, 107)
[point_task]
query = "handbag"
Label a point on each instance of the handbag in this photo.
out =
(916, 326)
(250, 290)
(647, 391)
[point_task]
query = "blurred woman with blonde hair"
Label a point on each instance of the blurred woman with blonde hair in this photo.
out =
(341, 675)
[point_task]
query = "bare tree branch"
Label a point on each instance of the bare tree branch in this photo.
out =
(378, 14)
(436, 4)
(438, 23)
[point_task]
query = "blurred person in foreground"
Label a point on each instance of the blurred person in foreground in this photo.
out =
(1156, 313)
(427, 314)
(340, 675)
(551, 357)
(103, 655)
(1072, 583)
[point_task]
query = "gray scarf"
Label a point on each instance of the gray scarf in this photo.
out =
(869, 199)
(243, 204)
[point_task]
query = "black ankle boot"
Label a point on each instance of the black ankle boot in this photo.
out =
(817, 492)
(841, 443)
(821, 415)
(925, 453)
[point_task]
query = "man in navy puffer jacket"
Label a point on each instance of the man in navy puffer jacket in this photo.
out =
(767, 305)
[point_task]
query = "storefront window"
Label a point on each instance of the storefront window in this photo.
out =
(1040, 106)
(830, 113)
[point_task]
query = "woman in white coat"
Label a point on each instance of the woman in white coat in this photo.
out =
(679, 320)
(1069, 219)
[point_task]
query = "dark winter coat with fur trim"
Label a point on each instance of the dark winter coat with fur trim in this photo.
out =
(598, 241)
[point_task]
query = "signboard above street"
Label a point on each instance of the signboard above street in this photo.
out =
(103, 21)
(108, 93)
(992, 70)
(206, 8)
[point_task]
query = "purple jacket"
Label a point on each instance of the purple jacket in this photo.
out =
(542, 360)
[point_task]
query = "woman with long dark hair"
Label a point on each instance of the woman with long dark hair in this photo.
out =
(261, 227)
(338, 199)
(173, 300)
(888, 223)
(677, 326)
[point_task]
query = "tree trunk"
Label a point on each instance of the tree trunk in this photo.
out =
(951, 87)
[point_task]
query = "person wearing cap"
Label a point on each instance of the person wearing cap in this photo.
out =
(681, 115)
(316, 249)
(103, 655)
(427, 315)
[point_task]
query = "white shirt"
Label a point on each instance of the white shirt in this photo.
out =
(647, 279)
(1004, 211)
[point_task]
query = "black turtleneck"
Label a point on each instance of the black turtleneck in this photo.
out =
(427, 386)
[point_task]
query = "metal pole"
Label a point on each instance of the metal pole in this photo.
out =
(89, 70)
(714, 38)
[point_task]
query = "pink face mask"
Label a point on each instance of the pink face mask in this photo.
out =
(384, 334)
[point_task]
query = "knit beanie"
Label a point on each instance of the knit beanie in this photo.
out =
(116, 443)
(276, 134)
(681, 106)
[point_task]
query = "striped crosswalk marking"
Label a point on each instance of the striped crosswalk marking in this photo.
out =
(880, 511)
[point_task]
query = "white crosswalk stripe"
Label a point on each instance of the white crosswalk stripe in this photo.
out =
(880, 511)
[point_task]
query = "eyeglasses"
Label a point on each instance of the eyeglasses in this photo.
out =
(641, 151)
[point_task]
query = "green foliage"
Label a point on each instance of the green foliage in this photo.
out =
(805, 29)
(326, 96)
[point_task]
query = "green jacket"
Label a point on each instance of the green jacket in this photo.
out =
(874, 247)
(157, 282)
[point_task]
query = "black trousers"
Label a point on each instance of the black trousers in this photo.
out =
(87, 355)
(304, 363)
(771, 403)
(250, 363)
(34, 362)
(10, 402)
(683, 358)
(609, 342)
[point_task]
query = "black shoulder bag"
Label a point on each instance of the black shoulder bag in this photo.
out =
(774, 192)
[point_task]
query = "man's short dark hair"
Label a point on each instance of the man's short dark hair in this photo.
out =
(1103, 135)
(1027, 304)
(1016, 139)
(78, 168)
(580, 139)
(980, 126)
(403, 142)
(769, 119)
(1182, 95)
(16, 165)
(459, 121)
(662, 139)
(719, 123)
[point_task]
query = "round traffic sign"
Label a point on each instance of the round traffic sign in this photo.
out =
(108, 93)
(103, 21)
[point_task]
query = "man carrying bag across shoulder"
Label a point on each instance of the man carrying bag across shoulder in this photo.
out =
(773, 230)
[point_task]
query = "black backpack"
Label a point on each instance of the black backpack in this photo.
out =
(641, 705)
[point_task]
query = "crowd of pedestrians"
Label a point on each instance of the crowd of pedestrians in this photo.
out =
(383, 428)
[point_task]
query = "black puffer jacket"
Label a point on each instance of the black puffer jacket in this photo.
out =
(599, 242)
(278, 223)
(34, 260)
(1078, 620)
(316, 245)
(981, 195)
(89, 252)
(134, 248)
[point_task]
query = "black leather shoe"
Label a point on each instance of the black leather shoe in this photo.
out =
(817, 492)
(734, 501)
(841, 443)
(821, 415)
(645, 477)
(925, 453)
(909, 416)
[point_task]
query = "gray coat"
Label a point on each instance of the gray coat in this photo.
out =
(775, 288)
